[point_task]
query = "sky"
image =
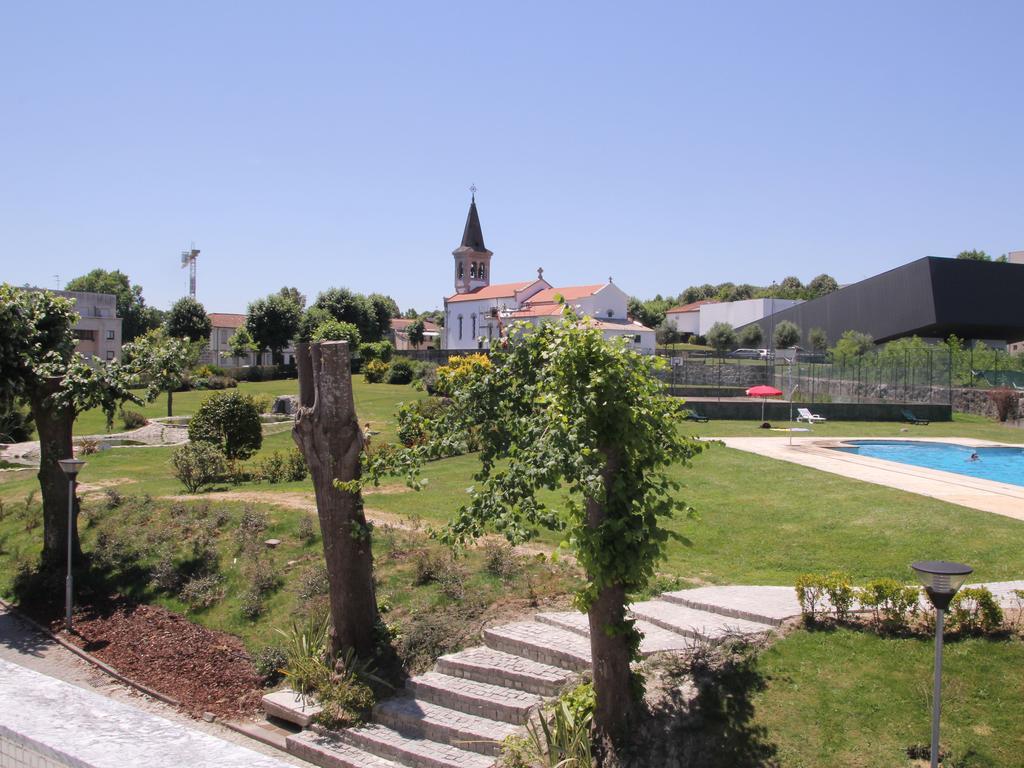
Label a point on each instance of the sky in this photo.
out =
(662, 144)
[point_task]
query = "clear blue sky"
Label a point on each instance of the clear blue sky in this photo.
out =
(665, 144)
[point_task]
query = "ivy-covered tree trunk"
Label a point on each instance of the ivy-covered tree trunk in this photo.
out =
(54, 425)
(610, 645)
(327, 432)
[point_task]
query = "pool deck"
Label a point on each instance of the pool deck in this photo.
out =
(815, 452)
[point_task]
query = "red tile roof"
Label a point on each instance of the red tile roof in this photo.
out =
(226, 320)
(693, 306)
(543, 310)
(500, 291)
(569, 293)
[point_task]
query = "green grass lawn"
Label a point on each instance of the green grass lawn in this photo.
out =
(855, 699)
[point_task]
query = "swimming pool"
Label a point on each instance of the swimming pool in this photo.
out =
(1004, 465)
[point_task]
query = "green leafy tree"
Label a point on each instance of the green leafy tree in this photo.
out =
(273, 322)
(818, 339)
(164, 360)
(722, 337)
(751, 336)
(821, 285)
(295, 296)
(188, 320)
(698, 293)
(241, 344)
(350, 307)
(229, 421)
(852, 344)
(563, 408)
(416, 332)
(136, 317)
(41, 368)
(974, 255)
(787, 334)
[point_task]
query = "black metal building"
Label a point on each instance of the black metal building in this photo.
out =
(930, 298)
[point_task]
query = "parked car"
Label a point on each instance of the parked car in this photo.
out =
(746, 354)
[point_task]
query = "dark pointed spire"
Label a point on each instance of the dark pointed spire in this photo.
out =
(473, 235)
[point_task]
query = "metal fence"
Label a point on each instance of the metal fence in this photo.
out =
(880, 376)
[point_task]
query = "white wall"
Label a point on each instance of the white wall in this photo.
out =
(737, 313)
(684, 322)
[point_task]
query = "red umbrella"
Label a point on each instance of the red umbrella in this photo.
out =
(763, 391)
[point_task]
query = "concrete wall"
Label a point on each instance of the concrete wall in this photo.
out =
(737, 313)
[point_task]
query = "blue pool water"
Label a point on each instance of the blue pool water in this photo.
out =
(1005, 465)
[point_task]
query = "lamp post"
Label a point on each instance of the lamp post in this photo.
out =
(941, 581)
(71, 468)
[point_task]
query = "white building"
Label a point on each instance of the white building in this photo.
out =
(478, 312)
(98, 329)
(737, 313)
(686, 319)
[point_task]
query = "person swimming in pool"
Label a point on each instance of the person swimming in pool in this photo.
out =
(975, 457)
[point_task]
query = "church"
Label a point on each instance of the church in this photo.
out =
(479, 311)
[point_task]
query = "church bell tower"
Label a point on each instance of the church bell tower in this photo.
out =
(472, 259)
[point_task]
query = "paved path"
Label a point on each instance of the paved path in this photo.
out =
(986, 495)
(23, 645)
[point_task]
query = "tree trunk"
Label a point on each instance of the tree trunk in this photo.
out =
(170, 398)
(610, 652)
(328, 434)
(54, 426)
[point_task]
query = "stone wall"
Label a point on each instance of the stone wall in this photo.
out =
(731, 374)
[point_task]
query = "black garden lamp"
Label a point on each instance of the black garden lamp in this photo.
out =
(941, 580)
(71, 468)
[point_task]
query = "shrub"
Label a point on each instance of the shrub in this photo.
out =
(198, 464)
(810, 591)
(313, 582)
(501, 560)
(374, 371)
(263, 401)
(722, 337)
(251, 606)
(88, 446)
(443, 571)
(250, 529)
(16, 424)
(132, 419)
(214, 382)
(307, 531)
(428, 635)
(207, 370)
(401, 372)
(974, 609)
(114, 498)
(296, 465)
(451, 376)
(272, 468)
(560, 737)
(269, 661)
(376, 350)
(264, 578)
(337, 330)
(165, 575)
(890, 601)
(1006, 401)
(202, 592)
(414, 419)
(230, 421)
(840, 594)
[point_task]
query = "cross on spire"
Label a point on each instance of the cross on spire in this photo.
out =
(472, 189)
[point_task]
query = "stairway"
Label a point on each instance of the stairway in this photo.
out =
(457, 715)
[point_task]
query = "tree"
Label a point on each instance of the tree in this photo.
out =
(41, 368)
(350, 307)
(852, 344)
(787, 334)
(384, 308)
(722, 337)
(821, 285)
(751, 336)
(335, 330)
(416, 333)
(818, 339)
(136, 317)
(230, 421)
(563, 407)
(241, 344)
(293, 294)
(188, 320)
(974, 255)
(164, 359)
(698, 293)
(328, 433)
(273, 322)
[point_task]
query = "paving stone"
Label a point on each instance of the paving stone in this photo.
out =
(541, 642)
(487, 665)
(416, 752)
(655, 638)
(768, 605)
(1003, 591)
(695, 623)
(329, 751)
(415, 717)
(482, 699)
(287, 705)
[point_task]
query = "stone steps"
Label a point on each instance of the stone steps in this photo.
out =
(694, 623)
(766, 605)
(541, 642)
(291, 707)
(411, 751)
(411, 716)
(655, 638)
(329, 751)
(495, 702)
(487, 665)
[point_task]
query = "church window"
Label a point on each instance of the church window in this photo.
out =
(480, 271)
(460, 327)
(461, 269)
(472, 270)
(473, 318)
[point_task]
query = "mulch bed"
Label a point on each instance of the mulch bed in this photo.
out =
(206, 670)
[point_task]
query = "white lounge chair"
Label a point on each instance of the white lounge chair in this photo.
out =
(804, 414)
